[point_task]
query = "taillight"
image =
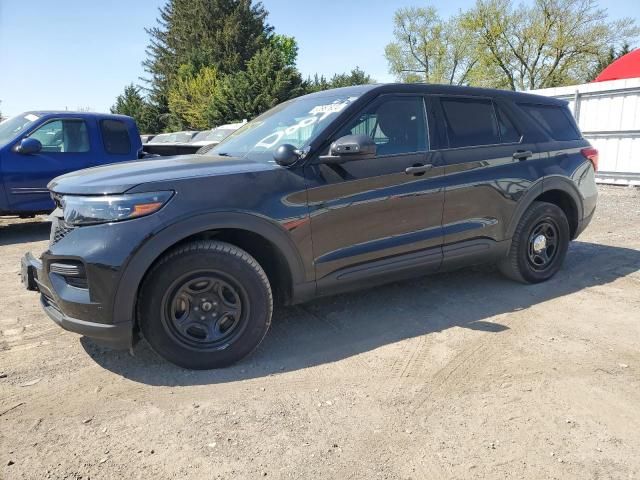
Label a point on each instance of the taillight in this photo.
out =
(591, 154)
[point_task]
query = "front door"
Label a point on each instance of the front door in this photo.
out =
(65, 148)
(374, 218)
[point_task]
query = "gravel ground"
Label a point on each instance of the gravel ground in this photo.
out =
(457, 375)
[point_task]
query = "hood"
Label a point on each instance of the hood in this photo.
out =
(120, 177)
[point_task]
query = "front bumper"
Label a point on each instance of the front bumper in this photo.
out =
(63, 303)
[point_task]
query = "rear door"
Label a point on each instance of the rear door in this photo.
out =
(487, 159)
(66, 147)
(371, 218)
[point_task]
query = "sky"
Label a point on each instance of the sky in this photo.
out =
(57, 54)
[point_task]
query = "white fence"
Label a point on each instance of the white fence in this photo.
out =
(608, 114)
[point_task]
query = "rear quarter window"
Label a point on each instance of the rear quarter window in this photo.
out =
(115, 137)
(555, 120)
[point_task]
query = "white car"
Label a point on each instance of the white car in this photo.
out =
(210, 138)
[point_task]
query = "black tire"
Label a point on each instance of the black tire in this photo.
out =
(200, 325)
(205, 149)
(531, 262)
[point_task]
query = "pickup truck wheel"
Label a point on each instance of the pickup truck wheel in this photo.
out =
(539, 244)
(205, 305)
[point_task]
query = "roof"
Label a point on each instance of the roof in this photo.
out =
(627, 66)
(434, 89)
(69, 113)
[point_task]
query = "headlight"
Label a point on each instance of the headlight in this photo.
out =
(87, 210)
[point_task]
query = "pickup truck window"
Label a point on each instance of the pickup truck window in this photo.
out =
(63, 136)
(115, 137)
(12, 127)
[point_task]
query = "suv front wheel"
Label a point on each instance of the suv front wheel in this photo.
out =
(206, 304)
(539, 244)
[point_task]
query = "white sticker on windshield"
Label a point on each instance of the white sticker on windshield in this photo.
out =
(330, 108)
(31, 117)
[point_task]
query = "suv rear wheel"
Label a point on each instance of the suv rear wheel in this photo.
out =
(205, 305)
(539, 244)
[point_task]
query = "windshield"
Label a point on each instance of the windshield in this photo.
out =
(215, 135)
(12, 127)
(162, 138)
(297, 122)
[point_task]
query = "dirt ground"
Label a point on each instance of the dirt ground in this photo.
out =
(457, 375)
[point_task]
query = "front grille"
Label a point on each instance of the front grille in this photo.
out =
(59, 230)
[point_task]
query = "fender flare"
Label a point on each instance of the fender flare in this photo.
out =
(141, 260)
(545, 184)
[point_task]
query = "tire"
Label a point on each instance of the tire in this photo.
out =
(205, 149)
(531, 262)
(206, 304)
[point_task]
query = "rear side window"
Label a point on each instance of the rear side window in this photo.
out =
(470, 122)
(115, 137)
(555, 120)
(508, 131)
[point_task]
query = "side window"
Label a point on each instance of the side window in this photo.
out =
(115, 137)
(470, 122)
(397, 126)
(557, 121)
(63, 136)
(508, 131)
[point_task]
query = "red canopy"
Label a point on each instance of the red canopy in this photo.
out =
(627, 66)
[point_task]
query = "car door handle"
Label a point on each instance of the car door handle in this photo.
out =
(522, 154)
(418, 169)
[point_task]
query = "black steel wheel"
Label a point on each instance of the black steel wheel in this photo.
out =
(205, 305)
(204, 310)
(539, 244)
(543, 244)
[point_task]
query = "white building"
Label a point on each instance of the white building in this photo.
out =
(608, 113)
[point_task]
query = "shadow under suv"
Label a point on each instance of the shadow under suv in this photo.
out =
(336, 190)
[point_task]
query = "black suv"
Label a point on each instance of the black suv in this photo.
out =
(336, 190)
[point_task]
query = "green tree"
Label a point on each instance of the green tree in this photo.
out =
(544, 44)
(132, 103)
(357, 76)
(189, 97)
(429, 49)
(267, 81)
(287, 46)
(223, 34)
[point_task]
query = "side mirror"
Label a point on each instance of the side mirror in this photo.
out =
(29, 146)
(286, 155)
(350, 147)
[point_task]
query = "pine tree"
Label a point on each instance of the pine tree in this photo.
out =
(223, 34)
(132, 103)
(356, 77)
(189, 97)
(267, 81)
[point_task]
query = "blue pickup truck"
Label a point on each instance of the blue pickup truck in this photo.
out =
(35, 147)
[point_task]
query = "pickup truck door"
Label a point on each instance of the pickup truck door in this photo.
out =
(66, 146)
